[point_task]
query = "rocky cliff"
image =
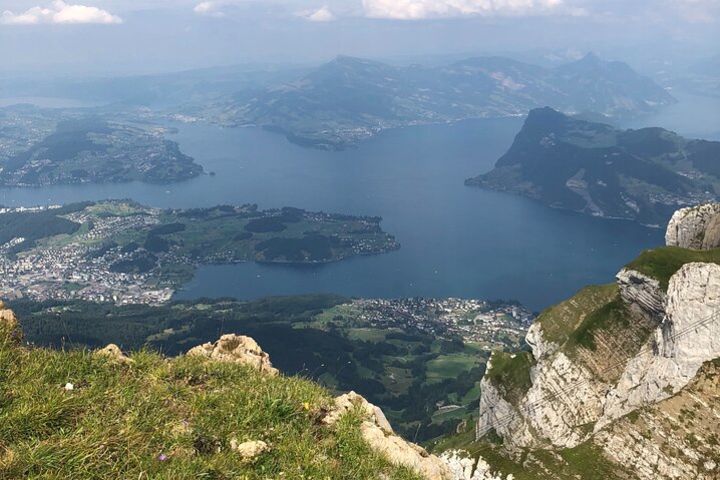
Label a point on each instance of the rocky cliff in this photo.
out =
(614, 366)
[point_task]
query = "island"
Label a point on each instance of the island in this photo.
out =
(54, 146)
(124, 252)
(590, 167)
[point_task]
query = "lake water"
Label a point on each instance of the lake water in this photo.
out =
(456, 240)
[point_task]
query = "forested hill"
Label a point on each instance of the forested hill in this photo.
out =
(349, 99)
(594, 168)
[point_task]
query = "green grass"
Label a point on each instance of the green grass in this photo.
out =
(560, 320)
(589, 461)
(662, 263)
(605, 318)
(451, 366)
(511, 373)
(119, 420)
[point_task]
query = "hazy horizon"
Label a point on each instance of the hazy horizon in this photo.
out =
(110, 37)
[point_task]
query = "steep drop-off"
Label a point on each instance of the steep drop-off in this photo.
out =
(628, 370)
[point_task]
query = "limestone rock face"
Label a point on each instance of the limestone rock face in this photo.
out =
(570, 399)
(642, 294)
(236, 349)
(688, 337)
(563, 397)
(540, 347)
(498, 415)
(695, 227)
(378, 433)
(663, 441)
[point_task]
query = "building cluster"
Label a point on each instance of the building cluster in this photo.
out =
(476, 321)
(67, 270)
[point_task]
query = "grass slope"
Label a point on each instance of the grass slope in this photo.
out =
(166, 419)
(662, 263)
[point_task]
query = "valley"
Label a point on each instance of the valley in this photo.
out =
(418, 358)
(180, 302)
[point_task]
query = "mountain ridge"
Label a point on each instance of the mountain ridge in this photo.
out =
(594, 168)
(350, 99)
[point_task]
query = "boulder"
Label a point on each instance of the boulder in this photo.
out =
(8, 323)
(233, 348)
(250, 450)
(348, 401)
(378, 433)
(113, 353)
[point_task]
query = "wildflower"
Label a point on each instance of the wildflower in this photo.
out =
(162, 457)
(69, 386)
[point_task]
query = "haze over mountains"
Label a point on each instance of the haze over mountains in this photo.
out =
(349, 99)
(597, 169)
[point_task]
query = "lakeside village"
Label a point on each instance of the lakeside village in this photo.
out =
(72, 270)
(477, 321)
(69, 271)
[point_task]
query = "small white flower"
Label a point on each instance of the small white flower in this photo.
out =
(69, 386)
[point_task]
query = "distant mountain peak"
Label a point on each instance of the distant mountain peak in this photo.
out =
(591, 57)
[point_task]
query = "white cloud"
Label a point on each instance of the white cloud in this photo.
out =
(422, 9)
(701, 11)
(59, 12)
(323, 14)
(209, 8)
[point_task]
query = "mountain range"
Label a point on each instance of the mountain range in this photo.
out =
(350, 99)
(597, 169)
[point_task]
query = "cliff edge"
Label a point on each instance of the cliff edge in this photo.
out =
(627, 369)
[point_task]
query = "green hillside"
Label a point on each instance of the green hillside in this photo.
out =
(80, 415)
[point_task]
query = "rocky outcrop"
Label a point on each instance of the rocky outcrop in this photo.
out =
(638, 356)
(112, 352)
(688, 337)
(567, 396)
(673, 439)
(236, 349)
(535, 339)
(564, 397)
(349, 401)
(464, 467)
(642, 294)
(378, 433)
(696, 227)
(8, 321)
(499, 416)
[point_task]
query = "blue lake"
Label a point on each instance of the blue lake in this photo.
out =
(456, 240)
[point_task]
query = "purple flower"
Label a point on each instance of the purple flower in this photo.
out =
(162, 457)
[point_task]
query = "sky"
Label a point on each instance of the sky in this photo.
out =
(149, 36)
